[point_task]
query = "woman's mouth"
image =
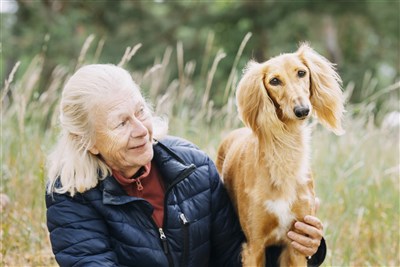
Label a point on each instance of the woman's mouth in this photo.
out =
(138, 146)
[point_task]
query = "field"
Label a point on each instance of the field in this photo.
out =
(357, 174)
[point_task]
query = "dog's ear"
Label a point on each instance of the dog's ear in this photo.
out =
(248, 94)
(326, 94)
(255, 108)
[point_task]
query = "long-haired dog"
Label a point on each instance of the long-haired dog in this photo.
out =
(266, 165)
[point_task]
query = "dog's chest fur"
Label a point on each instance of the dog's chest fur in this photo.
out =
(287, 211)
(287, 186)
(282, 210)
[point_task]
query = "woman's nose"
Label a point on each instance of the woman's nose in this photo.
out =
(138, 128)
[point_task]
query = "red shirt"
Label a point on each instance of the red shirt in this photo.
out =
(149, 186)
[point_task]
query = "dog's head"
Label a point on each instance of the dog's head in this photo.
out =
(289, 88)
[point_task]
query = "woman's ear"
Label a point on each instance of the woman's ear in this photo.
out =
(81, 145)
(94, 150)
(326, 94)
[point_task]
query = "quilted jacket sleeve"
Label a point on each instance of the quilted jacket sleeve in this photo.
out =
(226, 234)
(77, 233)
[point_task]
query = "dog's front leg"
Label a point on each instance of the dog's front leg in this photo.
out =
(292, 258)
(253, 254)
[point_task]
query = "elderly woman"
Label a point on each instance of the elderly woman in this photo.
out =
(121, 194)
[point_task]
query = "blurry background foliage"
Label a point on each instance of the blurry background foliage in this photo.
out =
(188, 57)
(360, 36)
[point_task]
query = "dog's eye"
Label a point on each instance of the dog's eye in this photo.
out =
(274, 81)
(301, 73)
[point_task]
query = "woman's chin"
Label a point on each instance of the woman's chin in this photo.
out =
(142, 158)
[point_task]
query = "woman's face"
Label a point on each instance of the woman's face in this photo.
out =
(123, 132)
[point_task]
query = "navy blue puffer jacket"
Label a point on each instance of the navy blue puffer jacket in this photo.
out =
(106, 227)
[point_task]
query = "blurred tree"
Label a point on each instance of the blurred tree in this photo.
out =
(360, 36)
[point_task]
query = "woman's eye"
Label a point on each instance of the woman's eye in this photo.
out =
(301, 73)
(122, 124)
(274, 81)
(141, 113)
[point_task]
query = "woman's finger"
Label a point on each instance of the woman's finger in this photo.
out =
(314, 221)
(308, 235)
(311, 230)
(306, 251)
(304, 244)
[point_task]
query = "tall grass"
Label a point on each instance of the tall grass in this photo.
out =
(357, 175)
(358, 182)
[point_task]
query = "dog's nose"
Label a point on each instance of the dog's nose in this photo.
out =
(301, 111)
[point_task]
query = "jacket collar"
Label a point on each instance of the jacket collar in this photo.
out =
(170, 165)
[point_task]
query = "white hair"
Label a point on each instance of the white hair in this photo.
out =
(77, 169)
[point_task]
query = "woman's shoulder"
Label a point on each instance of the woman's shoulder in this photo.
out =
(185, 149)
(65, 199)
(174, 141)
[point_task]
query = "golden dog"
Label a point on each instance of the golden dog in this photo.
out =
(265, 166)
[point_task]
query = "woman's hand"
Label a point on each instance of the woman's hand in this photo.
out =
(309, 234)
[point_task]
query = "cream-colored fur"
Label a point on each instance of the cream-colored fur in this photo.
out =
(265, 166)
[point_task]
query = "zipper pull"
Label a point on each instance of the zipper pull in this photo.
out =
(163, 238)
(162, 235)
(183, 218)
(139, 185)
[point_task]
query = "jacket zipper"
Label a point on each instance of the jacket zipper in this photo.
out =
(181, 177)
(164, 242)
(163, 237)
(185, 228)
